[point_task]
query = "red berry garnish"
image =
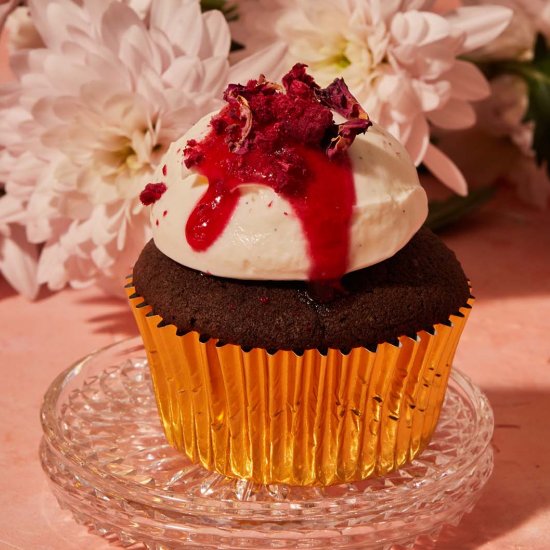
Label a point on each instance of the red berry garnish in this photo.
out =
(152, 193)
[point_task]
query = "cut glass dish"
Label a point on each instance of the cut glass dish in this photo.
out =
(108, 462)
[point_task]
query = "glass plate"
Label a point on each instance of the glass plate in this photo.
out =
(108, 463)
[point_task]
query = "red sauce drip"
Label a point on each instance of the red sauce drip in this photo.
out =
(323, 203)
(325, 210)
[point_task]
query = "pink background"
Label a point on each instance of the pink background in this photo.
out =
(505, 250)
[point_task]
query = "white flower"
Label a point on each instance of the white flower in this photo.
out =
(141, 7)
(486, 159)
(503, 112)
(518, 39)
(401, 62)
(507, 136)
(91, 113)
(502, 115)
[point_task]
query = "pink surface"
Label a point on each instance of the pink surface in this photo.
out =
(505, 249)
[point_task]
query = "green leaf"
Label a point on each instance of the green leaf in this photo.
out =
(207, 5)
(230, 11)
(236, 46)
(538, 80)
(447, 212)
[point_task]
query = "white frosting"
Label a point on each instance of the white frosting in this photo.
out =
(264, 238)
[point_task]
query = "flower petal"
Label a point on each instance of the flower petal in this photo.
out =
(269, 61)
(53, 19)
(51, 267)
(444, 169)
(454, 115)
(180, 23)
(467, 82)
(481, 24)
(11, 210)
(419, 28)
(417, 139)
(432, 95)
(18, 261)
(5, 10)
(217, 39)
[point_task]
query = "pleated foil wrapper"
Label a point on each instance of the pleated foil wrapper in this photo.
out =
(316, 418)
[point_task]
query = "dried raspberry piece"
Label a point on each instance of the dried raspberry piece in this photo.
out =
(192, 153)
(152, 193)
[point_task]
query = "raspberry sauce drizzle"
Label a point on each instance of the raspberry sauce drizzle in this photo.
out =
(290, 143)
(323, 206)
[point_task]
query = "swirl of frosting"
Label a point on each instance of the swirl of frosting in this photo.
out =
(264, 238)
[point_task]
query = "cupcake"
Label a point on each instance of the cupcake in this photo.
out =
(299, 322)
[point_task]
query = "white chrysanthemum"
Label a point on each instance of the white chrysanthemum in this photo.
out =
(503, 113)
(91, 113)
(518, 40)
(401, 61)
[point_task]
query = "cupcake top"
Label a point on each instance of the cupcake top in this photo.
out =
(272, 188)
(420, 286)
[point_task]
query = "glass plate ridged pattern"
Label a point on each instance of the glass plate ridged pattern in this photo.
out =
(108, 462)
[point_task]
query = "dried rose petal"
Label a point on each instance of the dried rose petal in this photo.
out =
(233, 96)
(298, 82)
(336, 96)
(347, 132)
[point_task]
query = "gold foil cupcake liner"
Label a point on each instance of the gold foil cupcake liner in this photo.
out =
(301, 419)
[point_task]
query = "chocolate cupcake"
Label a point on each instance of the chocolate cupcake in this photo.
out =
(299, 324)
